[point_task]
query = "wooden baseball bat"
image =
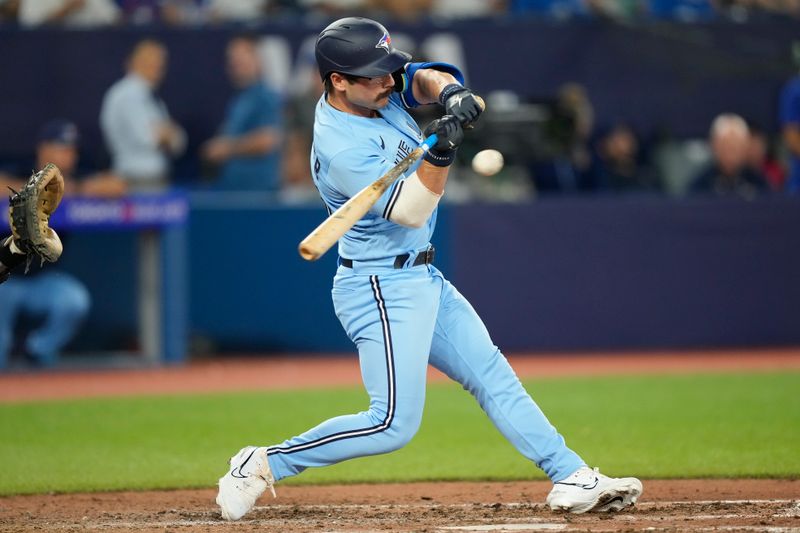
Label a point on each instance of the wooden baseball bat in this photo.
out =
(340, 221)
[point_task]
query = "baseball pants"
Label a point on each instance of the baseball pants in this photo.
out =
(402, 320)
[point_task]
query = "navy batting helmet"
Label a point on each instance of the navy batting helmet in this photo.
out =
(359, 47)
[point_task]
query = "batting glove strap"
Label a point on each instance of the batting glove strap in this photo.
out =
(450, 90)
(440, 158)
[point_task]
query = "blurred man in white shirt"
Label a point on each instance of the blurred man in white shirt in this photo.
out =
(137, 127)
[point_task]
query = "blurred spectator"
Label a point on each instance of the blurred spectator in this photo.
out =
(9, 11)
(761, 158)
(72, 13)
(556, 9)
(790, 123)
(298, 186)
(136, 124)
(52, 302)
(729, 173)
(334, 8)
(170, 12)
(244, 11)
(184, 12)
(463, 9)
(140, 12)
(566, 9)
(58, 143)
(617, 164)
(742, 11)
(404, 10)
(682, 10)
(566, 159)
(248, 146)
(621, 10)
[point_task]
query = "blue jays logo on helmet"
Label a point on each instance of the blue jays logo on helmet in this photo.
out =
(385, 42)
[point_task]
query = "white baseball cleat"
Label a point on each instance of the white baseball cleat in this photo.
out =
(247, 479)
(589, 490)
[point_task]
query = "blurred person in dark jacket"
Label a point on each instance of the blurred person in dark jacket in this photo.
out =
(54, 301)
(729, 173)
(618, 162)
(565, 162)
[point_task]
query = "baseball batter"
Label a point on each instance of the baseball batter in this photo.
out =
(395, 305)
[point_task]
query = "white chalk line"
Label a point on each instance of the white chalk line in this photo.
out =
(433, 505)
(532, 523)
(508, 527)
(544, 526)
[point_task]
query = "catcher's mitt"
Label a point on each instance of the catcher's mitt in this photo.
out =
(29, 215)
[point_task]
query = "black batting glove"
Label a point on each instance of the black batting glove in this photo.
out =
(461, 103)
(450, 134)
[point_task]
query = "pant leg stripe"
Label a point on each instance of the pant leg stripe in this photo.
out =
(390, 372)
(389, 347)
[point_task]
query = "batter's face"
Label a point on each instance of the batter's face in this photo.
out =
(364, 96)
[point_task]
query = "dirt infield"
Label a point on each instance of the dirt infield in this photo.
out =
(689, 505)
(667, 505)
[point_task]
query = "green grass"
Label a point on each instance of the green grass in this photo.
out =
(668, 426)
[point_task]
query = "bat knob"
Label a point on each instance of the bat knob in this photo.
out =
(483, 108)
(308, 253)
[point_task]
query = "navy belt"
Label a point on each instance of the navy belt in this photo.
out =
(423, 258)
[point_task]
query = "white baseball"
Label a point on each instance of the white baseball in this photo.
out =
(487, 162)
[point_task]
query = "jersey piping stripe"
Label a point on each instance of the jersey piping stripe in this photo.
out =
(393, 200)
(403, 99)
(390, 373)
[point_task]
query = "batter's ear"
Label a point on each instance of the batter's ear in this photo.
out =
(337, 80)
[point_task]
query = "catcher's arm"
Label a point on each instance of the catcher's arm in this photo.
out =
(29, 213)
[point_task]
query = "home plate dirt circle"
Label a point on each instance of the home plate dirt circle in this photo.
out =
(671, 505)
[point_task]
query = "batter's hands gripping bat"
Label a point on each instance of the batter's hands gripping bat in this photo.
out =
(340, 221)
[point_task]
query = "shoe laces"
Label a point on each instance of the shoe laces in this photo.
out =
(270, 481)
(582, 474)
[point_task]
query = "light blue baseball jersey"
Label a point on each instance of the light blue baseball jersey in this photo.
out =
(350, 152)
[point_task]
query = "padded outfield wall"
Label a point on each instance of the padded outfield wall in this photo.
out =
(581, 273)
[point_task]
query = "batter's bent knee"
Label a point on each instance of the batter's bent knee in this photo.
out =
(400, 432)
